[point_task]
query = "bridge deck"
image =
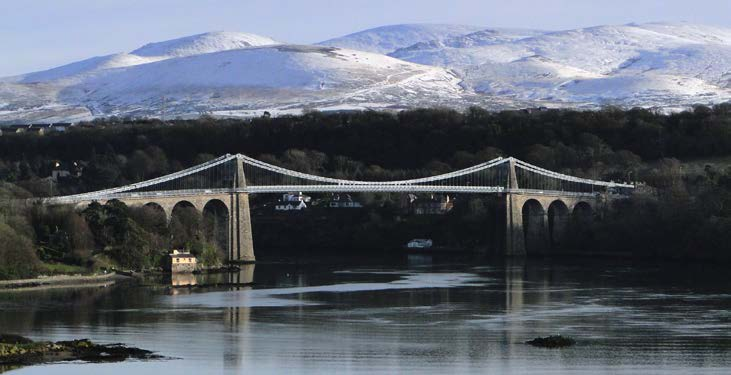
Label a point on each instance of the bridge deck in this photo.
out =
(320, 189)
(242, 174)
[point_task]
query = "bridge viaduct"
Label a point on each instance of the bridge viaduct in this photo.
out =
(534, 220)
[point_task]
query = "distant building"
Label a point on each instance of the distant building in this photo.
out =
(344, 201)
(40, 129)
(60, 173)
(534, 110)
(182, 262)
(438, 205)
(61, 126)
(64, 170)
(296, 197)
(290, 206)
(17, 128)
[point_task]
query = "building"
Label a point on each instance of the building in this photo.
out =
(61, 126)
(438, 205)
(296, 197)
(63, 170)
(290, 206)
(182, 262)
(40, 129)
(344, 201)
(17, 128)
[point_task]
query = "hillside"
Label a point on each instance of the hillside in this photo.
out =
(236, 81)
(656, 64)
(386, 39)
(668, 66)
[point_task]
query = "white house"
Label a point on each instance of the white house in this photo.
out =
(290, 206)
(344, 202)
(296, 197)
(438, 205)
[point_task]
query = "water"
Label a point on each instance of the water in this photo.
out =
(402, 315)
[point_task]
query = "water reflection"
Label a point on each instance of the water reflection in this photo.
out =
(420, 314)
(184, 279)
(243, 277)
(236, 341)
(416, 260)
(514, 278)
(236, 319)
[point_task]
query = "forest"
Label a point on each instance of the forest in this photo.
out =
(682, 162)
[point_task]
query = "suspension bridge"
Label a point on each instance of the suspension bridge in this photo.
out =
(537, 201)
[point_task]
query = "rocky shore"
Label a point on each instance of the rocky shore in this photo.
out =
(17, 351)
(61, 281)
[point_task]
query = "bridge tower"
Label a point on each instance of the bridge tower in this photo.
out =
(514, 237)
(533, 224)
(241, 239)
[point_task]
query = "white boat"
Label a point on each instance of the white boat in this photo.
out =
(419, 243)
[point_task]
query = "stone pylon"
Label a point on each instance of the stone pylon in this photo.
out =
(514, 238)
(242, 241)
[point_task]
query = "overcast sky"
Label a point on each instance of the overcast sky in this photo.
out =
(40, 34)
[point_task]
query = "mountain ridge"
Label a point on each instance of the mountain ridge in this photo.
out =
(662, 65)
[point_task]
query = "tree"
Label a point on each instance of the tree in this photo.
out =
(209, 256)
(185, 227)
(17, 255)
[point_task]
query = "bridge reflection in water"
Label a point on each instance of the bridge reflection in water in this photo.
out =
(242, 278)
(511, 291)
(536, 204)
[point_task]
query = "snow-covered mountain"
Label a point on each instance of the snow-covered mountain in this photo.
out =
(668, 65)
(203, 43)
(181, 47)
(266, 77)
(227, 74)
(386, 39)
(656, 64)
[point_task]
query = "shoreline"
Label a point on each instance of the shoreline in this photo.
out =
(18, 351)
(61, 281)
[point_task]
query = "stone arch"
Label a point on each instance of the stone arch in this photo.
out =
(216, 224)
(150, 215)
(581, 218)
(583, 212)
(185, 224)
(534, 226)
(159, 208)
(182, 204)
(558, 221)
